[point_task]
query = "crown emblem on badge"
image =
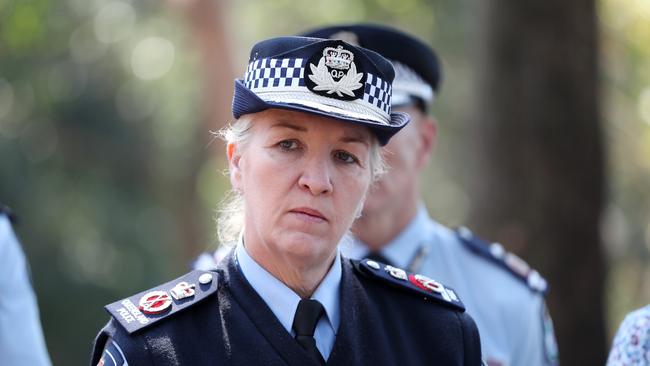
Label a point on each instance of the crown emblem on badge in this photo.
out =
(338, 58)
(330, 77)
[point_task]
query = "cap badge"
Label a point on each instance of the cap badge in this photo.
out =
(155, 302)
(336, 74)
(182, 290)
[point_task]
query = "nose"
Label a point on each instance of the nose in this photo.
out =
(316, 177)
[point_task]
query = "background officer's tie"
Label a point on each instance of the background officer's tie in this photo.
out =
(304, 324)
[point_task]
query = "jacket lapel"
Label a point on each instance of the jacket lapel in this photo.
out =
(360, 339)
(261, 315)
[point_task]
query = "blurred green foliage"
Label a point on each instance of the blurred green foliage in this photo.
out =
(94, 139)
(100, 109)
(625, 55)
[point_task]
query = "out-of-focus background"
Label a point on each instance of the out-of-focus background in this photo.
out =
(106, 156)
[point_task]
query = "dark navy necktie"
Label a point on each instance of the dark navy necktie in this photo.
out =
(304, 324)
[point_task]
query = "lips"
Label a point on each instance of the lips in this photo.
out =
(309, 213)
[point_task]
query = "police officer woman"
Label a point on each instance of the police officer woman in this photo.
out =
(311, 115)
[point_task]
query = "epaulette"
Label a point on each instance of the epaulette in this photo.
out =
(5, 210)
(510, 262)
(411, 282)
(149, 307)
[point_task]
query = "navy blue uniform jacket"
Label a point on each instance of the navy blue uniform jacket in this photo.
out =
(380, 325)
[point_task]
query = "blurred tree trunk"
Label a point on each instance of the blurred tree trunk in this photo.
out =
(539, 176)
(210, 38)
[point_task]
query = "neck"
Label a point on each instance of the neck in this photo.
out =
(303, 277)
(377, 229)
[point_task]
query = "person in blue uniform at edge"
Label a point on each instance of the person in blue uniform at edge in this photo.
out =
(501, 292)
(631, 345)
(21, 336)
(311, 115)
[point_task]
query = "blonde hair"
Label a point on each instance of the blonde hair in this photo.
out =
(230, 214)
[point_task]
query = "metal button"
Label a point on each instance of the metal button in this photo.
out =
(373, 264)
(205, 278)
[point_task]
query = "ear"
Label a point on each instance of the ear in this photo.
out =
(234, 166)
(428, 134)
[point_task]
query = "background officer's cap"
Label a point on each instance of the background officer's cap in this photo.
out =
(325, 77)
(417, 68)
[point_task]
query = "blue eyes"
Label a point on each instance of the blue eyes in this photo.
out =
(345, 157)
(339, 155)
(288, 145)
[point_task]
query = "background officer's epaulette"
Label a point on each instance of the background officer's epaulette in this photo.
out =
(495, 253)
(414, 283)
(148, 307)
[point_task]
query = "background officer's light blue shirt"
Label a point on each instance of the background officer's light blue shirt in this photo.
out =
(21, 337)
(283, 302)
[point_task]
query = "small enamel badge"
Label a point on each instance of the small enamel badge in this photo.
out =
(423, 286)
(517, 264)
(155, 302)
(183, 290)
(398, 273)
(335, 74)
(428, 284)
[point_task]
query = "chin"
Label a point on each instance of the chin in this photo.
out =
(307, 247)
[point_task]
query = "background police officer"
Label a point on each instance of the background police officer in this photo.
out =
(21, 337)
(503, 294)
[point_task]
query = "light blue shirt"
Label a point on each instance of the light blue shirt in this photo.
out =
(21, 337)
(283, 302)
(402, 249)
(509, 316)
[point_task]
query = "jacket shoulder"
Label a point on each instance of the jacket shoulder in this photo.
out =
(504, 260)
(412, 283)
(148, 307)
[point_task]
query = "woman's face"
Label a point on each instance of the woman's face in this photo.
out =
(303, 179)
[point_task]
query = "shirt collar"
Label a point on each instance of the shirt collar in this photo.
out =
(282, 301)
(401, 250)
